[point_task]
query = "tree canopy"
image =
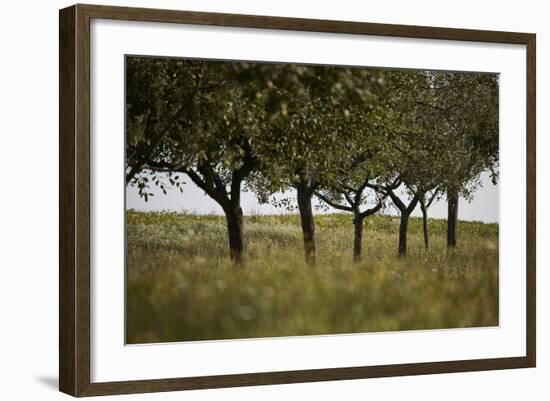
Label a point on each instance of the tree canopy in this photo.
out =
(348, 136)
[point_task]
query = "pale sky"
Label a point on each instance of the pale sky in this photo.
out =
(484, 207)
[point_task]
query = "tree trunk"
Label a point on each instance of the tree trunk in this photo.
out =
(234, 217)
(358, 238)
(452, 218)
(425, 225)
(403, 226)
(308, 224)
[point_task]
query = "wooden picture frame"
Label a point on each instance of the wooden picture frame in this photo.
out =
(74, 203)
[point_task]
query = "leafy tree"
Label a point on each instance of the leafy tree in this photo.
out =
(313, 124)
(418, 165)
(464, 106)
(422, 166)
(359, 168)
(212, 142)
(351, 199)
(446, 134)
(298, 157)
(412, 154)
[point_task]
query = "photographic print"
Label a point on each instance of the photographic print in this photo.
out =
(278, 199)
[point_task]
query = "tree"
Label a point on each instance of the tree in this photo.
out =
(446, 135)
(298, 157)
(212, 142)
(405, 210)
(312, 124)
(424, 167)
(465, 107)
(350, 199)
(419, 165)
(359, 168)
(412, 155)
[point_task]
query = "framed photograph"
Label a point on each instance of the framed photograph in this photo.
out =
(251, 200)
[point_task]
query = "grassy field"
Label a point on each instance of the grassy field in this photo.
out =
(181, 285)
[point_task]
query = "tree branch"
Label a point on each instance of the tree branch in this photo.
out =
(349, 199)
(371, 211)
(333, 204)
(206, 185)
(412, 204)
(237, 176)
(347, 188)
(164, 167)
(400, 205)
(206, 182)
(212, 179)
(432, 198)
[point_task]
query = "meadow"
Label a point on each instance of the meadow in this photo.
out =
(182, 286)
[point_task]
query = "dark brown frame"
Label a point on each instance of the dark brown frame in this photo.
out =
(74, 199)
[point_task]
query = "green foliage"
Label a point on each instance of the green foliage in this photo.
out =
(464, 115)
(350, 136)
(181, 285)
(430, 128)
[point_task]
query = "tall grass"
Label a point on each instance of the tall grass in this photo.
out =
(182, 286)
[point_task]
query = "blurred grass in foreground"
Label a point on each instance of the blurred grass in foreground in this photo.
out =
(181, 285)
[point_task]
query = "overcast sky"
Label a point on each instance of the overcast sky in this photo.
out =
(484, 207)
